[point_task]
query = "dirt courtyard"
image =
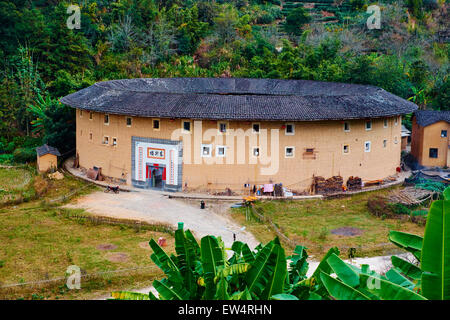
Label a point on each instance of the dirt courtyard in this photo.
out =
(154, 207)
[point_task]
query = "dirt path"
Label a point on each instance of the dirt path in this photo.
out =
(153, 207)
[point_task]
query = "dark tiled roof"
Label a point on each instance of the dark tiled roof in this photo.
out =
(426, 117)
(46, 149)
(238, 99)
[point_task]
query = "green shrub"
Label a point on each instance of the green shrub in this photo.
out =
(23, 155)
(399, 208)
(265, 18)
(6, 158)
(419, 213)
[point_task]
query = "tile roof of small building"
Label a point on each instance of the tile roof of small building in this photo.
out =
(426, 117)
(238, 99)
(46, 149)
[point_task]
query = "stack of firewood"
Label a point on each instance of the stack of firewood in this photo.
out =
(333, 184)
(354, 183)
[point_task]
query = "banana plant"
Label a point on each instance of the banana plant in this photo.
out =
(409, 242)
(432, 278)
(435, 260)
(352, 283)
(204, 272)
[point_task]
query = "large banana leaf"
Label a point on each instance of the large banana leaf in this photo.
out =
(222, 290)
(212, 258)
(261, 270)
(435, 262)
(127, 295)
(162, 260)
(237, 249)
(407, 268)
(167, 292)
(446, 194)
(242, 295)
(323, 265)
(193, 241)
(284, 296)
(395, 277)
(299, 265)
(238, 268)
(186, 259)
(386, 290)
(340, 290)
(407, 241)
(247, 254)
(344, 272)
(277, 278)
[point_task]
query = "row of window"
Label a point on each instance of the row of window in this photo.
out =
(289, 128)
(206, 151)
(105, 140)
(289, 152)
(368, 124)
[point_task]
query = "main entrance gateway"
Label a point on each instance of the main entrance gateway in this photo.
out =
(156, 163)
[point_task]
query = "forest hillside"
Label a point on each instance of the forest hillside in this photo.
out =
(42, 59)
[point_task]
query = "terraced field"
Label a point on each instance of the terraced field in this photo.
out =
(321, 11)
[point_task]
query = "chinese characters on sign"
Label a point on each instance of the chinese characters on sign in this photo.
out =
(154, 153)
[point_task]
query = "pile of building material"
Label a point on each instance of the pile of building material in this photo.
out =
(354, 183)
(278, 190)
(333, 184)
(56, 176)
(410, 196)
(95, 173)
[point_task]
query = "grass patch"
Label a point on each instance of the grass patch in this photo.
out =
(13, 179)
(310, 222)
(39, 240)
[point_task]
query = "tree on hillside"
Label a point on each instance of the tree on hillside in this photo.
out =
(295, 21)
(225, 24)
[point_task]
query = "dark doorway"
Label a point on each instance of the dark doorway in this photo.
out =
(156, 176)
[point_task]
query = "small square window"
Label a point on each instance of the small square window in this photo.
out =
(309, 150)
(106, 119)
(255, 128)
(256, 151)
(220, 151)
(385, 123)
(91, 115)
(396, 120)
(346, 148)
(433, 152)
(367, 146)
(105, 140)
(346, 126)
(395, 139)
(368, 125)
(290, 129)
(114, 142)
(289, 152)
(186, 126)
(81, 113)
(443, 133)
(222, 127)
(156, 124)
(129, 121)
(384, 143)
(206, 150)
